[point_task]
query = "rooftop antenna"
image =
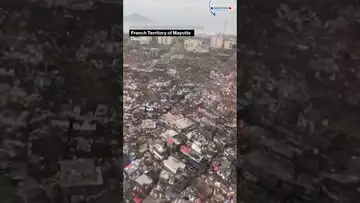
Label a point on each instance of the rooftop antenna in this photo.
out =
(225, 27)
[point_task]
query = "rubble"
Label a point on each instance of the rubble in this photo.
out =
(177, 103)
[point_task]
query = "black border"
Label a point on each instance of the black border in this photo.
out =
(243, 27)
(238, 89)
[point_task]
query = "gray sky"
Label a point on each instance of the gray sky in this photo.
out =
(184, 12)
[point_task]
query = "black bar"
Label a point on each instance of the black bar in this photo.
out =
(240, 75)
(161, 33)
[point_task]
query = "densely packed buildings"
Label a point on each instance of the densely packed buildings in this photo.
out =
(179, 141)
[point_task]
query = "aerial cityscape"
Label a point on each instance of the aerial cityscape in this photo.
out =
(179, 110)
(180, 118)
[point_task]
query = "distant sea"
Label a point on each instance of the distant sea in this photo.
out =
(210, 28)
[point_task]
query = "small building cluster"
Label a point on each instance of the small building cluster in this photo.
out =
(198, 44)
(180, 158)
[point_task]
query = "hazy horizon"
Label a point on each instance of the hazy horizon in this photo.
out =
(184, 13)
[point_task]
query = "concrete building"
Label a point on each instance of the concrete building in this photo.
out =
(177, 121)
(159, 150)
(173, 165)
(195, 45)
(229, 44)
(217, 42)
(144, 182)
(168, 134)
(192, 44)
(179, 43)
(165, 40)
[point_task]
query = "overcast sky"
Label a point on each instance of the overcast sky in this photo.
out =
(183, 12)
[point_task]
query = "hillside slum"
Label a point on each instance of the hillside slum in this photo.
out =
(179, 126)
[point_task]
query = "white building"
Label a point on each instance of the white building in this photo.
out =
(173, 165)
(158, 150)
(217, 42)
(192, 44)
(165, 40)
(178, 121)
(229, 44)
(144, 181)
(195, 45)
(168, 134)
